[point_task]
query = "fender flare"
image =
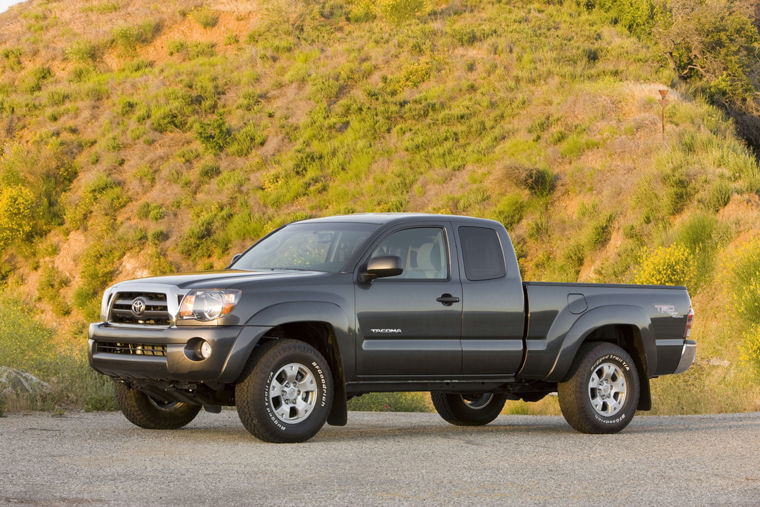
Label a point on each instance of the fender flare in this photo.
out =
(291, 312)
(601, 316)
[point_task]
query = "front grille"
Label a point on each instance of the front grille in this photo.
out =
(132, 349)
(156, 310)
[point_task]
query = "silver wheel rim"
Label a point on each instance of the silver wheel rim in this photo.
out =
(607, 389)
(476, 401)
(293, 393)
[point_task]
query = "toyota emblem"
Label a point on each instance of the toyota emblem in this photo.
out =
(138, 306)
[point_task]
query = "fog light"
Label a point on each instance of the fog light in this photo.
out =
(205, 350)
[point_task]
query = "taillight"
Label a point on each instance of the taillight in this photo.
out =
(689, 318)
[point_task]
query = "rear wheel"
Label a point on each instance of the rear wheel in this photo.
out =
(468, 409)
(602, 392)
(286, 393)
(148, 412)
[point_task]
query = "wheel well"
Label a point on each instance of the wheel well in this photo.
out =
(321, 336)
(628, 338)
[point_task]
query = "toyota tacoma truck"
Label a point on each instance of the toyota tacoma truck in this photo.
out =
(322, 310)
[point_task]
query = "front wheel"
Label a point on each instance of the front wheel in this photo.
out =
(468, 409)
(602, 392)
(143, 410)
(286, 392)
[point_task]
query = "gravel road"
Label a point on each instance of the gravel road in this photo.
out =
(380, 458)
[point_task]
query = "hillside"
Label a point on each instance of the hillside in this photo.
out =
(142, 137)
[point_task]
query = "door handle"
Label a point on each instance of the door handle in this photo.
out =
(447, 299)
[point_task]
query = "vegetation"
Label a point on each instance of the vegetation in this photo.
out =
(138, 149)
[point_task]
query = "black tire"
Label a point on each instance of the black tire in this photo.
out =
(468, 410)
(142, 410)
(615, 401)
(270, 413)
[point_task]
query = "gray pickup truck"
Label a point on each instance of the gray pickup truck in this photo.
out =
(322, 310)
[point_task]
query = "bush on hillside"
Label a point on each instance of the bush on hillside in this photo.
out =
(214, 134)
(15, 213)
(743, 272)
(751, 349)
(400, 11)
(205, 17)
(671, 265)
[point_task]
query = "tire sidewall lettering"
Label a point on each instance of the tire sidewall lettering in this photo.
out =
(323, 382)
(268, 403)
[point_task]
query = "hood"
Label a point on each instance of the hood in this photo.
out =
(224, 279)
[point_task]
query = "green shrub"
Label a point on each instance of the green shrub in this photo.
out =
(149, 210)
(35, 78)
(208, 169)
(200, 50)
(101, 196)
(205, 17)
(127, 38)
(742, 268)
(187, 154)
(146, 174)
(57, 97)
(718, 196)
(246, 139)
(12, 59)
(577, 144)
(214, 134)
(362, 11)
(82, 51)
(400, 11)
(197, 241)
(156, 237)
(176, 46)
(574, 256)
(678, 193)
(102, 7)
(540, 182)
(49, 289)
(751, 349)
(510, 210)
(600, 231)
(98, 266)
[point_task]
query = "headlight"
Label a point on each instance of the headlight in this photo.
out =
(208, 304)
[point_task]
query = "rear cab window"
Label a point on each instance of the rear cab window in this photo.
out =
(481, 252)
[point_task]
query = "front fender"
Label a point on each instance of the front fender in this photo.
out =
(283, 313)
(597, 318)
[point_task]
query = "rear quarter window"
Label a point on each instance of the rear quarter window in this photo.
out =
(482, 254)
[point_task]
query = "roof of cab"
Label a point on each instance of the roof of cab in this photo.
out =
(387, 218)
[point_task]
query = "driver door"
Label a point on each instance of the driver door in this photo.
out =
(410, 324)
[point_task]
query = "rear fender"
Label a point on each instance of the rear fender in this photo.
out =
(612, 315)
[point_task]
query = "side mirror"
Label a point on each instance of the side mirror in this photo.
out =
(234, 259)
(382, 267)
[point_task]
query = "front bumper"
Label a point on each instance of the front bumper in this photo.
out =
(688, 354)
(230, 348)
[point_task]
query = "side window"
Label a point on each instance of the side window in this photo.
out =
(481, 252)
(422, 252)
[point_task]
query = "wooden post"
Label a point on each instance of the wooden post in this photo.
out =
(663, 94)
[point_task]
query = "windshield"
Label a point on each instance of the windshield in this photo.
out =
(314, 247)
